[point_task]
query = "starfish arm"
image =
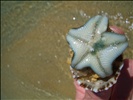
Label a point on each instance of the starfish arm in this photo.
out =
(78, 47)
(115, 38)
(109, 54)
(92, 62)
(102, 25)
(97, 24)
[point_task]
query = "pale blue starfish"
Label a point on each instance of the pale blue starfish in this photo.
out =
(94, 47)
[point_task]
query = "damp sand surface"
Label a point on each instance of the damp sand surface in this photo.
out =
(34, 48)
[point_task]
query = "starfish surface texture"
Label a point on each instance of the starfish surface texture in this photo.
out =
(94, 47)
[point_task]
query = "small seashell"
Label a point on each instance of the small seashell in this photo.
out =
(97, 54)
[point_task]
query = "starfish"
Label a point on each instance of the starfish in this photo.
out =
(94, 47)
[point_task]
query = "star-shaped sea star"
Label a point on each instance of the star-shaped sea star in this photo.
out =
(94, 47)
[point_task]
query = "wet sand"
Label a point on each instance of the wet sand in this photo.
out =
(34, 48)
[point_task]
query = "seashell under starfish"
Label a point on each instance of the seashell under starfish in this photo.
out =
(96, 57)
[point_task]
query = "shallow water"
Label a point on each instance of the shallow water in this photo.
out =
(34, 48)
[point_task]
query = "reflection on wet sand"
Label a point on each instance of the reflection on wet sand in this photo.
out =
(34, 48)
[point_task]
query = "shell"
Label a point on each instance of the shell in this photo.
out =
(96, 49)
